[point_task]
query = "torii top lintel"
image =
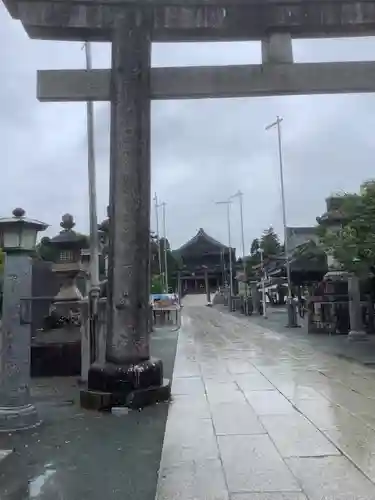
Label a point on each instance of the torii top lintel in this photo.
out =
(198, 20)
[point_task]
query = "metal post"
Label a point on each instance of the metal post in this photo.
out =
(292, 316)
(228, 203)
(222, 267)
(165, 250)
(239, 195)
(94, 236)
(264, 302)
(158, 236)
(230, 252)
(207, 287)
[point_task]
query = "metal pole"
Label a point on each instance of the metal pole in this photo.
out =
(230, 251)
(222, 267)
(263, 285)
(165, 250)
(157, 236)
(94, 237)
(228, 203)
(207, 286)
(286, 245)
(239, 194)
(292, 318)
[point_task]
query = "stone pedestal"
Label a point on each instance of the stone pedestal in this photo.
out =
(128, 376)
(357, 331)
(255, 296)
(92, 349)
(16, 410)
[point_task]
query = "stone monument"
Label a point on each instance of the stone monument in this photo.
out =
(18, 239)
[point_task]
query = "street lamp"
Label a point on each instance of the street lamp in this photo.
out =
(239, 195)
(18, 236)
(228, 204)
(292, 316)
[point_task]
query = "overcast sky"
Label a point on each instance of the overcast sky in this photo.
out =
(202, 151)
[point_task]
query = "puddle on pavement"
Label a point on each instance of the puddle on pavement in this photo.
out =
(36, 485)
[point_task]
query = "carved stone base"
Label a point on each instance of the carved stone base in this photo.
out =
(18, 418)
(132, 385)
(357, 336)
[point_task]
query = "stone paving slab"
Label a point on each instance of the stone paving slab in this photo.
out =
(290, 421)
(252, 463)
(338, 345)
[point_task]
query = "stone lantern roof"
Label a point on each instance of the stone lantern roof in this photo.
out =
(68, 238)
(19, 217)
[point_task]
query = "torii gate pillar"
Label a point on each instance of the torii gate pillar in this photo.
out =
(128, 375)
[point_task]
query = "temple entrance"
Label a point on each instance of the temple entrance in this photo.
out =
(203, 255)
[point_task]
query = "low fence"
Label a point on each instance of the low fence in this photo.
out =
(333, 317)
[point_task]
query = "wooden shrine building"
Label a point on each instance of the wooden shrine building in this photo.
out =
(200, 254)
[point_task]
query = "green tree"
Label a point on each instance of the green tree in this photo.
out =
(254, 249)
(353, 245)
(46, 251)
(270, 243)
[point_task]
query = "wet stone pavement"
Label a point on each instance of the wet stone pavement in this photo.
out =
(259, 415)
(77, 454)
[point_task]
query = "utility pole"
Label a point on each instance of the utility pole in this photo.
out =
(239, 195)
(228, 204)
(264, 303)
(94, 237)
(158, 237)
(163, 205)
(292, 316)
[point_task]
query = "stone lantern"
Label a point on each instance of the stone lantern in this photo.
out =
(18, 239)
(68, 263)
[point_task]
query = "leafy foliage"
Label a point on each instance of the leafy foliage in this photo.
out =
(46, 251)
(353, 245)
(255, 245)
(270, 243)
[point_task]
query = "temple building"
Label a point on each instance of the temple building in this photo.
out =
(204, 254)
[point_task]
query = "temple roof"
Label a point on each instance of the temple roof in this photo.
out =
(202, 239)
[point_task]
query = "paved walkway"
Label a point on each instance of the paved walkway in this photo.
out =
(258, 415)
(338, 345)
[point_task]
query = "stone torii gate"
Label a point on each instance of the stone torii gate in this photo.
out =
(131, 26)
